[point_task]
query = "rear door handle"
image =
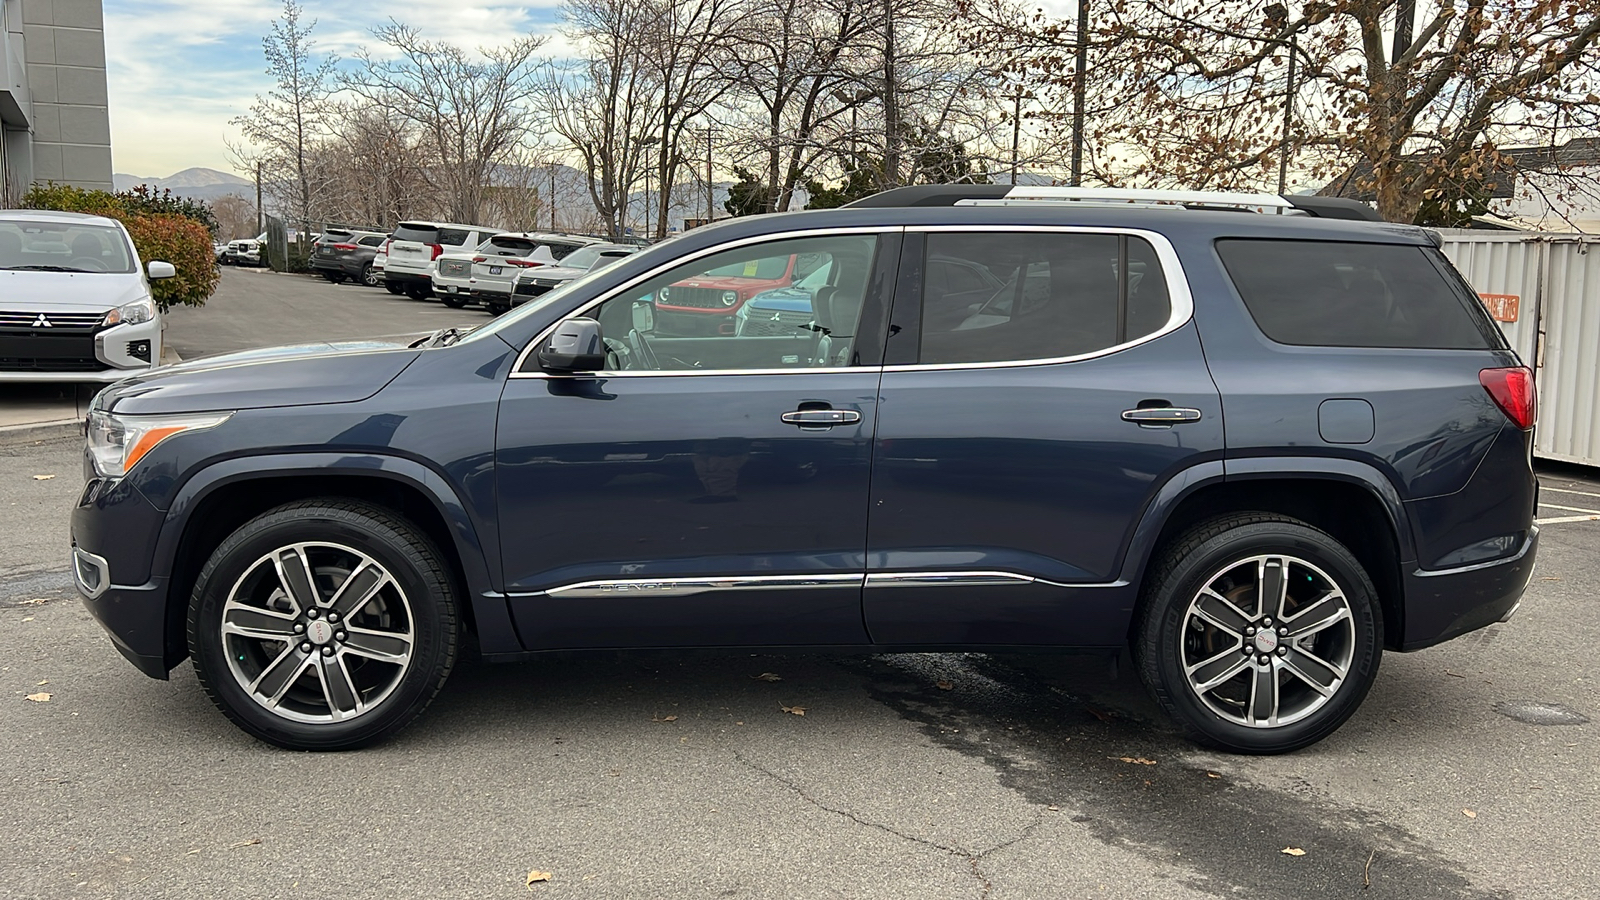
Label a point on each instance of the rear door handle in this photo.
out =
(822, 418)
(1161, 415)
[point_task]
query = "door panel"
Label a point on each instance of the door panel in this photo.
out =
(1003, 496)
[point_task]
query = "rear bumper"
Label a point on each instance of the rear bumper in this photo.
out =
(407, 278)
(1445, 604)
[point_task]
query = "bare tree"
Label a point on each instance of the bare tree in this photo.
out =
(235, 215)
(1207, 100)
(470, 110)
(286, 124)
(377, 167)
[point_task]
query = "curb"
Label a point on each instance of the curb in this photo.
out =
(34, 431)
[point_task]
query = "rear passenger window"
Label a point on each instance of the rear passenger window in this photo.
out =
(452, 237)
(998, 297)
(1343, 294)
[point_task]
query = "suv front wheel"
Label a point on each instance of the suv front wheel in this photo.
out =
(323, 625)
(1259, 633)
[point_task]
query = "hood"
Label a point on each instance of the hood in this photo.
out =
(68, 291)
(300, 375)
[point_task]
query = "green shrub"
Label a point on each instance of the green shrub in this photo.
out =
(163, 227)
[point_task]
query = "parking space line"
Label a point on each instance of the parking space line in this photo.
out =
(1568, 491)
(1593, 512)
(1562, 520)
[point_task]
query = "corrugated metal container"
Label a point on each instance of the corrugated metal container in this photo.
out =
(1555, 279)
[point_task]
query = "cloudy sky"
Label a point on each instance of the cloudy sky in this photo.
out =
(179, 70)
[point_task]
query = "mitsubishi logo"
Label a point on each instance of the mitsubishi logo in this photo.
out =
(42, 322)
(776, 317)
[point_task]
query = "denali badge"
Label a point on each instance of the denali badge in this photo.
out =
(42, 322)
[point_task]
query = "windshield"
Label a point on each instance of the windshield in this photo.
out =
(537, 303)
(64, 247)
(770, 269)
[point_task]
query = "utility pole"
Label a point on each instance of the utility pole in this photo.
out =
(552, 196)
(1016, 134)
(1080, 80)
(1405, 19)
(891, 112)
(711, 191)
(1288, 116)
(260, 222)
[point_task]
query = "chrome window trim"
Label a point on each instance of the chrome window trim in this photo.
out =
(688, 587)
(1178, 293)
(619, 290)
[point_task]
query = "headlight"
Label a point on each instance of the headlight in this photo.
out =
(134, 313)
(117, 443)
(729, 298)
(665, 293)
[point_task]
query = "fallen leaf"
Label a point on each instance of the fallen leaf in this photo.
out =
(1292, 851)
(944, 685)
(194, 851)
(536, 876)
(768, 676)
(1212, 775)
(43, 477)
(793, 710)
(42, 683)
(41, 697)
(1104, 717)
(1454, 674)
(1470, 813)
(738, 723)
(27, 618)
(250, 843)
(1053, 808)
(663, 718)
(35, 601)
(1136, 760)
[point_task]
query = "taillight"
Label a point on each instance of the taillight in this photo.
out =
(437, 249)
(344, 246)
(523, 263)
(480, 259)
(385, 248)
(1512, 390)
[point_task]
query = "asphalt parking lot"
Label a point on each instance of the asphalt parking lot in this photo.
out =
(1468, 773)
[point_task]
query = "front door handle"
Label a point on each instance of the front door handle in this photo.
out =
(1154, 417)
(822, 418)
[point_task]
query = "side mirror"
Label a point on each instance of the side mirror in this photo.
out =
(644, 316)
(158, 269)
(576, 346)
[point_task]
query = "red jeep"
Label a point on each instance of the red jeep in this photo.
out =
(704, 305)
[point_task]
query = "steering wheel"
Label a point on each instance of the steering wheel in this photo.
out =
(87, 263)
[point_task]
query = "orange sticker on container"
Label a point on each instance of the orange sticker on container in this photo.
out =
(1502, 307)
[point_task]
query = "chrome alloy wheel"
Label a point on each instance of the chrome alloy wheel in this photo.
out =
(317, 632)
(1267, 641)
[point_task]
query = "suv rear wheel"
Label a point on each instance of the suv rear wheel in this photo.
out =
(371, 277)
(1259, 633)
(323, 625)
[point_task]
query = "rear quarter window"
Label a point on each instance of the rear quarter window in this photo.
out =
(1349, 294)
(453, 237)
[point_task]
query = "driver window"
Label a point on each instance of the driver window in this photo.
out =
(789, 304)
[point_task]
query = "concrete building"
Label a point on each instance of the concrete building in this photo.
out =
(53, 120)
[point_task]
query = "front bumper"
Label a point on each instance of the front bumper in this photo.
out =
(114, 531)
(1440, 605)
(110, 354)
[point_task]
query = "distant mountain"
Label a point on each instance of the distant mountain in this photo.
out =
(196, 183)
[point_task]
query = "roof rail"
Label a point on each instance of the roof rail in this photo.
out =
(999, 194)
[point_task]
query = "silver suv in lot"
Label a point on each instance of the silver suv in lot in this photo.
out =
(75, 304)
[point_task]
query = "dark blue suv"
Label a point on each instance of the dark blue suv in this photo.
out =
(1252, 443)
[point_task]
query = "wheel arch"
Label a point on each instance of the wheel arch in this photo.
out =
(1351, 501)
(220, 498)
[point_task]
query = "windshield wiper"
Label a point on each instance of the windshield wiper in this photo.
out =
(42, 269)
(444, 337)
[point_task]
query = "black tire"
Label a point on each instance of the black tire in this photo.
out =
(421, 597)
(370, 276)
(496, 309)
(454, 301)
(418, 292)
(1172, 637)
(335, 277)
(393, 288)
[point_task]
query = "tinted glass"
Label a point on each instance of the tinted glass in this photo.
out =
(505, 246)
(453, 237)
(375, 240)
(1341, 294)
(997, 297)
(70, 247)
(415, 231)
(767, 269)
(679, 320)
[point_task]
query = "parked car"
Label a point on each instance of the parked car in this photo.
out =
(709, 303)
(1289, 444)
(452, 275)
(244, 252)
(783, 310)
(415, 245)
(75, 302)
(532, 283)
(341, 253)
(499, 261)
(379, 261)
